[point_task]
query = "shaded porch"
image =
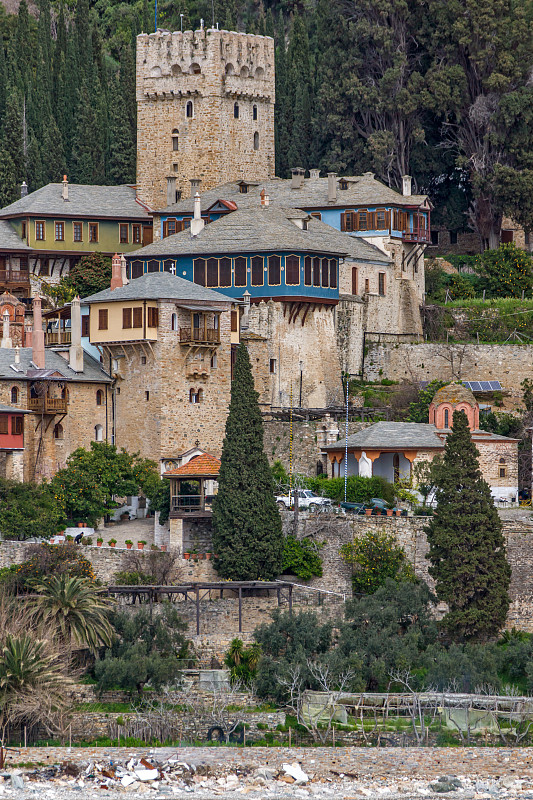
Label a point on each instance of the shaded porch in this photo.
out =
(392, 465)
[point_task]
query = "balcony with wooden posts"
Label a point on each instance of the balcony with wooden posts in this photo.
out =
(200, 335)
(48, 405)
(418, 233)
(14, 276)
(57, 337)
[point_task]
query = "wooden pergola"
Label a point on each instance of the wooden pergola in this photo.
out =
(195, 592)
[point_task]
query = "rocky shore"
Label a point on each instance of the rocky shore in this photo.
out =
(205, 773)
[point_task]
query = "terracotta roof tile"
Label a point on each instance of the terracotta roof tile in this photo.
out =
(202, 465)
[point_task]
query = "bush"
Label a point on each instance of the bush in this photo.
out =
(27, 509)
(359, 490)
(301, 558)
(242, 661)
(376, 557)
(508, 271)
(43, 560)
(125, 578)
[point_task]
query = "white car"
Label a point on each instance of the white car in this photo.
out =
(306, 499)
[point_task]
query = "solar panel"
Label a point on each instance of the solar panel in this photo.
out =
(483, 386)
(495, 386)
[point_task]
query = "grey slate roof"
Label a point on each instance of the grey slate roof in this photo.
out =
(13, 409)
(159, 286)
(256, 229)
(362, 190)
(393, 435)
(9, 240)
(83, 201)
(403, 435)
(92, 369)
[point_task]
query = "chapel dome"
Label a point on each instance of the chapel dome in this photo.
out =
(451, 398)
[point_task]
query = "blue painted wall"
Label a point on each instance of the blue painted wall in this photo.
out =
(182, 266)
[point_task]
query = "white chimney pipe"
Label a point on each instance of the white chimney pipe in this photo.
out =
(17, 355)
(406, 185)
(64, 193)
(197, 222)
(123, 269)
(23, 189)
(6, 341)
(76, 350)
(297, 179)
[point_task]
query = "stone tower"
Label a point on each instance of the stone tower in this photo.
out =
(205, 111)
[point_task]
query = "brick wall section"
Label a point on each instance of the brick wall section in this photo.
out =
(213, 145)
(510, 364)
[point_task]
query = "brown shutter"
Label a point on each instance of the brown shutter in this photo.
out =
(234, 327)
(354, 280)
(343, 221)
(137, 317)
(165, 229)
(3, 423)
(126, 317)
(85, 325)
(102, 319)
(153, 317)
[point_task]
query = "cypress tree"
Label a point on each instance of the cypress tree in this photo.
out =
(8, 180)
(466, 545)
(247, 533)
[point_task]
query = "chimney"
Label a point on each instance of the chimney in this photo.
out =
(23, 189)
(297, 180)
(6, 341)
(265, 199)
(332, 187)
(116, 272)
(75, 357)
(171, 190)
(123, 269)
(195, 185)
(197, 222)
(406, 185)
(38, 335)
(17, 355)
(314, 174)
(64, 193)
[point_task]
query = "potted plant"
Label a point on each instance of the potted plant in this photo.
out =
(140, 544)
(99, 542)
(398, 512)
(164, 548)
(112, 542)
(69, 538)
(368, 512)
(87, 540)
(208, 556)
(154, 547)
(389, 512)
(129, 544)
(186, 556)
(80, 524)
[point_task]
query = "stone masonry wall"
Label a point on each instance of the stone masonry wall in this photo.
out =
(213, 70)
(510, 364)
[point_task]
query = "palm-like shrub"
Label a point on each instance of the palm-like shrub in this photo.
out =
(73, 610)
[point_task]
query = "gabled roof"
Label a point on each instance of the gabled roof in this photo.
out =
(259, 229)
(10, 240)
(54, 364)
(393, 436)
(97, 202)
(160, 286)
(4, 409)
(362, 190)
(201, 466)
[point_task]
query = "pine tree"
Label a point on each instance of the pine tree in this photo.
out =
(466, 545)
(247, 533)
(8, 180)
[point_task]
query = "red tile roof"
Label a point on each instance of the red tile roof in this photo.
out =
(203, 465)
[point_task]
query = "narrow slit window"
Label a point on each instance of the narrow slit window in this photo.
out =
(308, 270)
(274, 270)
(199, 271)
(240, 271)
(257, 271)
(292, 270)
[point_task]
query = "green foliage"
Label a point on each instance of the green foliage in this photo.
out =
(46, 560)
(419, 410)
(508, 271)
(289, 640)
(502, 423)
(466, 545)
(86, 487)
(359, 489)
(157, 490)
(28, 509)
(301, 557)
(247, 534)
(375, 558)
(279, 474)
(73, 610)
(132, 578)
(91, 274)
(494, 320)
(242, 661)
(146, 649)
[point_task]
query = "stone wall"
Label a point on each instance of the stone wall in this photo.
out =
(510, 364)
(212, 70)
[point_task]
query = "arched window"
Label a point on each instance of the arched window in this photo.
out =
(244, 72)
(174, 322)
(502, 468)
(274, 270)
(58, 431)
(99, 397)
(258, 271)
(14, 395)
(254, 112)
(137, 269)
(195, 396)
(176, 139)
(307, 270)
(175, 69)
(230, 69)
(256, 141)
(354, 280)
(260, 73)
(236, 110)
(189, 109)
(195, 69)
(292, 270)
(98, 433)
(240, 271)
(446, 418)
(153, 266)
(200, 395)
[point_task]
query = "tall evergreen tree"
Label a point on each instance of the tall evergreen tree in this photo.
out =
(8, 180)
(466, 545)
(247, 533)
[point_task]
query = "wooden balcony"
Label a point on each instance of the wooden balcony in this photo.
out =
(14, 276)
(48, 405)
(199, 336)
(418, 235)
(184, 505)
(57, 337)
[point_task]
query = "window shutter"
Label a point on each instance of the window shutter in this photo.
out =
(102, 319)
(85, 325)
(234, 327)
(126, 317)
(137, 317)
(354, 280)
(343, 221)
(165, 229)
(3, 424)
(153, 317)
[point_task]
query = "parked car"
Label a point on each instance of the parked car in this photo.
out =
(306, 499)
